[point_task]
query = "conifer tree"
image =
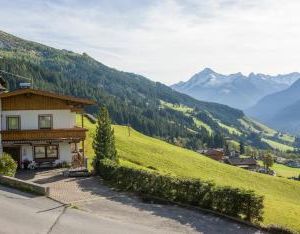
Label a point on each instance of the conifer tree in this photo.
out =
(104, 139)
(242, 147)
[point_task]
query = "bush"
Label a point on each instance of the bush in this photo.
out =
(244, 204)
(276, 229)
(8, 166)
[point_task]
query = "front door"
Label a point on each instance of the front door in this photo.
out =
(15, 152)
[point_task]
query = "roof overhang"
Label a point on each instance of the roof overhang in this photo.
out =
(29, 91)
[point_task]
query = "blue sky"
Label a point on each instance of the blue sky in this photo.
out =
(166, 40)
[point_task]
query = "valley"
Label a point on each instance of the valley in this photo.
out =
(149, 107)
(167, 127)
(282, 196)
(150, 116)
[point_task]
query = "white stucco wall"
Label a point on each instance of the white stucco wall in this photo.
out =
(1, 146)
(29, 118)
(26, 152)
(64, 152)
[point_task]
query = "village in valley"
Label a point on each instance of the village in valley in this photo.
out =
(261, 163)
(133, 117)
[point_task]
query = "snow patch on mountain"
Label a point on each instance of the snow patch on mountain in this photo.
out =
(236, 89)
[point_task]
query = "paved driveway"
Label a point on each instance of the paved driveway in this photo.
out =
(23, 213)
(64, 189)
(96, 199)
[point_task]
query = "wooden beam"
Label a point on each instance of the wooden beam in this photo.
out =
(82, 124)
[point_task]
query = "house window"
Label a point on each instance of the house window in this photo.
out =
(52, 151)
(46, 152)
(45, 121)
(13, 122)
(39, 152)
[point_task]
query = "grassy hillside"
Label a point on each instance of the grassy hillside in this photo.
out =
(272, 138)
(150, 107)
(282, 196)
(277, 145)
(284, 171)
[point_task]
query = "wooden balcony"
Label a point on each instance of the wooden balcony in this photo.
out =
(44, 134)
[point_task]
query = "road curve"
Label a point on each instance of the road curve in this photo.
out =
(25, 213)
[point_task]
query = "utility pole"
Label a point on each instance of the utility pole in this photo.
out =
(22, 77)
(129, 128)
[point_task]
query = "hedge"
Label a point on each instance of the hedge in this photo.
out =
(235, 202)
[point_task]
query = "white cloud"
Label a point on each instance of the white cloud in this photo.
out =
(166, 40)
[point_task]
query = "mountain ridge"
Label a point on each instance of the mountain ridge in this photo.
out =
(283, 114)
(150, 107)
(236, 90)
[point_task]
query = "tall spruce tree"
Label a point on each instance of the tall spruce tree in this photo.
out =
(242, 147)
(104, 140)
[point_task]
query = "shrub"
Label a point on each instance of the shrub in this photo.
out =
(236, 202)
(8, 166)
(276, 229)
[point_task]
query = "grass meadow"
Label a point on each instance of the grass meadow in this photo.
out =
(282, 196)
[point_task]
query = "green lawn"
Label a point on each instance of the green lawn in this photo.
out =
(187, 111)
(199, 124)
(287, 138)
(230, 129)
(181, 108)
(277, 145)
(284, 171)
(257, 127)
(282, 196)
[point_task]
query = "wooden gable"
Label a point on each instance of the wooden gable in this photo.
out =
(40, 100)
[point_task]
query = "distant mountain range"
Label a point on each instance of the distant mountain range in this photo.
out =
(280, 110)
(149, 107)
(236, 90)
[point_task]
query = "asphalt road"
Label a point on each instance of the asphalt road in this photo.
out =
(24, 213)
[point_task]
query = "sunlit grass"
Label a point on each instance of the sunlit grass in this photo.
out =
(277, 145)
(187, 111)
(282, 196)
(230, 129)
(284, 171)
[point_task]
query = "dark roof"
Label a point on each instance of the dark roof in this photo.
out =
(84, 101)
(215, 150)
(242, 161)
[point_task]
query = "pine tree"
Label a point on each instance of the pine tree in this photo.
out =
(242, 147)
(104, 140)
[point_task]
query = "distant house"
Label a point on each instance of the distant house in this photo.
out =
(292, 163)
(280, 160)
(245, 163)
(202, 151)
(234, 154)
(40, 126)
(216, 154)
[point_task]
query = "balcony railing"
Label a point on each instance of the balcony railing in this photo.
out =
(44, 134)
